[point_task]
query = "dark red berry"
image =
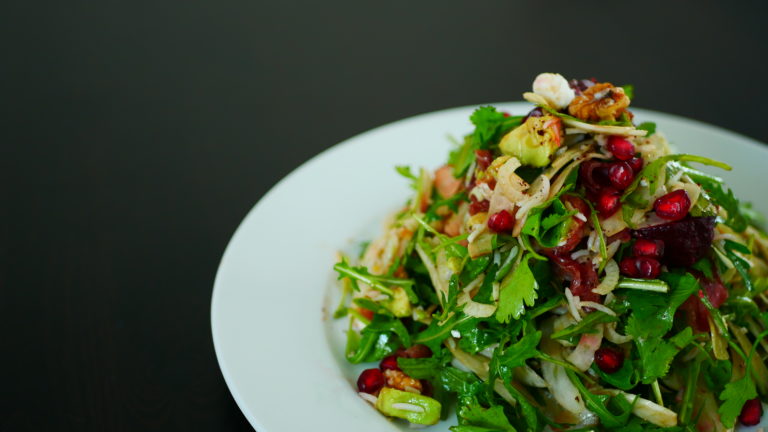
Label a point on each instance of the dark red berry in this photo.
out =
(370, 381)
(751, 412)
(636, 164)
(418, 351)
(640, 267)
(608, 202)
(648, 248)
(673, 206)
(621, 175)
(609, 360)
(647, 268)
(389, 363)
(628, 267)
(621, 147)
(501, 221)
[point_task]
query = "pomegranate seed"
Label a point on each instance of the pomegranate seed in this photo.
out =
(389, 363)
(628, 267)
(609, 360)
(751, 412)
(621, 175)
(370, 381)
(673, 206)
(636, 164)
(647, 268)
(621, 147)
(501, 221)
(648, 248)
(608, 202)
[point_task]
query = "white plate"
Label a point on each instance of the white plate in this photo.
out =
(280, 353)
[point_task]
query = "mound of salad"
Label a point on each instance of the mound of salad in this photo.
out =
(564, 270)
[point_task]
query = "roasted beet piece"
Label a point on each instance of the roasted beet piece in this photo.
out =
(581, 277)
(685, 241)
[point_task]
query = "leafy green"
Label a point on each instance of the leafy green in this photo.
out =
(629, 90)
(466, 385)
(625, 378)
(475, 418)
(361, 274)
(599, 404)
(423, 368)
(734, 396)
(656, 354)
(649, 127)
(405, 171)
(651, 174)
(740, 264)
(717, 374)
(549, 222)
(719, 194)
(517, 290)
(515, 355)
(434, 335)
(586, 325)
(490, 126)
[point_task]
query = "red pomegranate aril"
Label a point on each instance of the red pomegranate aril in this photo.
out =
(751, 412)
(621, 175)
(628, 267)
(621, 147)
(609, 360)
(673, 206)
(370, 381)
(636, 164)
(608, 202)
(647, 268)
(648, 248)
(501, 221)
(389, 363)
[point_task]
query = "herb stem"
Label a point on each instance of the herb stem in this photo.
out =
(654, 285)
(657, 392)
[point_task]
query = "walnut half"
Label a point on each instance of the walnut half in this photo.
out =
(600, 102)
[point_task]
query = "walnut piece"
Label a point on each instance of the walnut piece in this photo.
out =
(600, 102)
(399, 380)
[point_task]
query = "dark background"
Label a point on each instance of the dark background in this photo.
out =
(137, 134)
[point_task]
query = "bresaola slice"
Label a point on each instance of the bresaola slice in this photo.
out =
(685, 241)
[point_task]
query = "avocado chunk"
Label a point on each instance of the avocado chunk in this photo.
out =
(399, 304)
(413, 407)
(534, 141)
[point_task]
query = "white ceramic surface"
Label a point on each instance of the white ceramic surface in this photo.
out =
(280, 353)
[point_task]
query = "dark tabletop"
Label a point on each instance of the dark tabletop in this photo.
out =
(137, 134)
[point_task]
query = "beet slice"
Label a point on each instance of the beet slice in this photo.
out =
(685, 241)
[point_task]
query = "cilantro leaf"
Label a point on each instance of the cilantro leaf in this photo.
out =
(490, 126)
(656, 354)
(736, 393)
(517, 290)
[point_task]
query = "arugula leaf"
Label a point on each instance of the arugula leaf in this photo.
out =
(466, 385)
(405, 171)
(741, 265)
(586, 325)
(517, 290)
(734, 396)
(515, 355)
(651, 174)
(450, 202)
(378, 282)
(434, 335)
(649, 127)
(423, 368)
(719, 194)
(625, 378)
(598, 404)
(473, 268)
(477, 335)
(475, 418)
(382, 323)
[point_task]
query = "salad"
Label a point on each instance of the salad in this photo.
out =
(564, 270)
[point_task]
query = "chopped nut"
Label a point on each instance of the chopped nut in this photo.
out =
(399, 380)
(600, 102)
